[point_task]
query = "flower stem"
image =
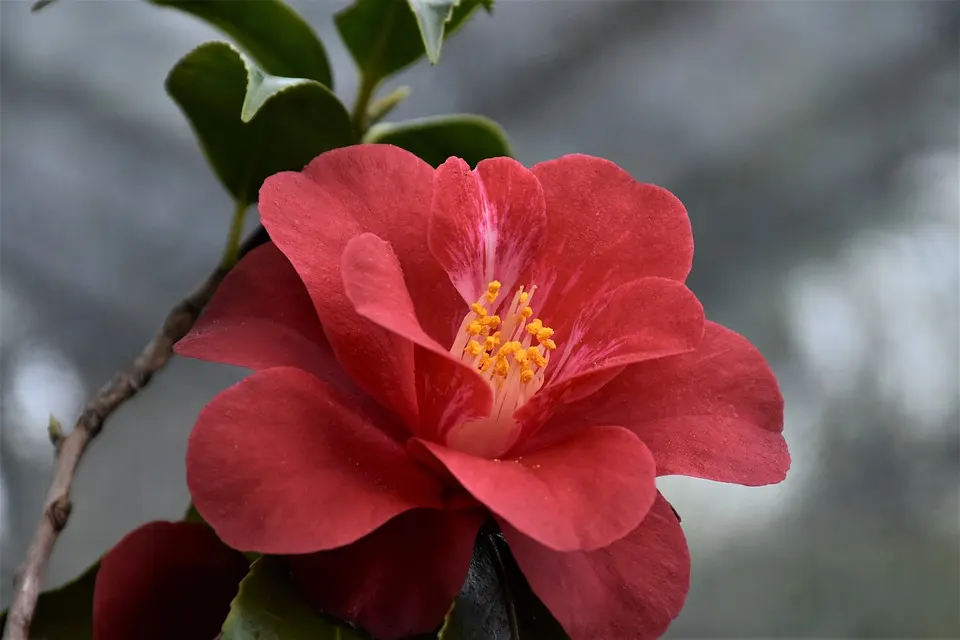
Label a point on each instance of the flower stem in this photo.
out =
(231, 252)
(368, 84)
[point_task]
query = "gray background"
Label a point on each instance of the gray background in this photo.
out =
(815, 145)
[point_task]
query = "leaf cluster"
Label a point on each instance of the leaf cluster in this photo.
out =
(265, 102)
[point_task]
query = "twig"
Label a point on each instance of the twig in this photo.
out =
(124, 386)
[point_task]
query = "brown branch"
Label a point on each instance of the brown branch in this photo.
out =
(124, 386)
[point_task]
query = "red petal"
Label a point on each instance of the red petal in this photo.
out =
(450, 391)
(166, 580)
(400, 579)
(486, 225)
(583, 493)
(715, 413)
(605, 228)
(279, 464)
(632, 589)
(312, 215)
(262, 317)
(641, 320)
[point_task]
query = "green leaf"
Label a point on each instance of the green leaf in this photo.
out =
(470, 137)
(432, 17)
(270, 31)
(496, 601)
(384, 36)
(268, 607)
(65, 613)
(192, 515)
(252, 124)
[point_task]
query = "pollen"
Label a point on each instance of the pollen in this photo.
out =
(507, 347)
(474, 348)
(493, 290)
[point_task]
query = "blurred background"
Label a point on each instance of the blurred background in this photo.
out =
(815, 145)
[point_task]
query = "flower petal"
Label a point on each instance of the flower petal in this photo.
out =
(488, 224)
(641, 320)
(279, 464)
(582, 493)
(605, 228)
(260, 317)
(312, 215)
(166, 580)
(400, 579)
(715, 413)
(633, 588)
(450, 391)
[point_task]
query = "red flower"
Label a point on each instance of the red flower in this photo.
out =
(431, 347)
(166, 580)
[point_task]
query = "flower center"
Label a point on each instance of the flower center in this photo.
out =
(511, 352)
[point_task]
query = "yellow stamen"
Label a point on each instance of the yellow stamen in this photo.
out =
(499, 346)
(534, 354)
(508, 348)
(491, 339)
(493, 289)
(474, 348)
(485, 363)
(501, 367)
(535, 326)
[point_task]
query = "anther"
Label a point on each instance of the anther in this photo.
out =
(474, 348)
(493, 289)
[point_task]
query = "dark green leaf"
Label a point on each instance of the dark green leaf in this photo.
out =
(472, 138)
(496, 601)
(384, 36)
(270, 31)
(252, 124)
(268, 607)
(65, 613)
(192, 515)
(484, 608)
